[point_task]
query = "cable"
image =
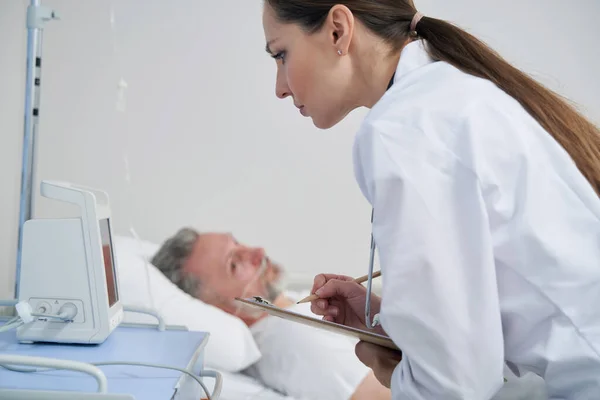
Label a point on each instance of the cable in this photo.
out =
(66, 313)
(8, 327)
(185, 371)
(208, 373)
(53, 363)
(61, 317)
(143, 310)
(218, 381)
(15, 319)
(18, 320)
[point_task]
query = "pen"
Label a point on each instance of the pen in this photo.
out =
(357, 280)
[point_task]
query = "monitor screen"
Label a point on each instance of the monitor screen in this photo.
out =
(109, 265)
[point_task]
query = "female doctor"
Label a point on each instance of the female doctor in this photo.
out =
(485, 188)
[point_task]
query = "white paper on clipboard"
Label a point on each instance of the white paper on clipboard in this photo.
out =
(360, 334)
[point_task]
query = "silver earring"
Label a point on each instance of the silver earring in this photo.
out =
(340, 52)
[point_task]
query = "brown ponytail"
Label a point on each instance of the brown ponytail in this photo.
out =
(390, 19)
(578, 136)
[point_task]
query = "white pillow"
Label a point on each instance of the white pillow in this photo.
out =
(230, 346)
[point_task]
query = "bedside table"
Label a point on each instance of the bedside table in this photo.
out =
(175, 347)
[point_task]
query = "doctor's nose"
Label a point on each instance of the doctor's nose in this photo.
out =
(281, 88)
(282, 91)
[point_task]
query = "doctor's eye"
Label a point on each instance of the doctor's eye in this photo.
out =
(280, 56)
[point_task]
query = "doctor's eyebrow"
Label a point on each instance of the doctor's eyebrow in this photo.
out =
(268, 46)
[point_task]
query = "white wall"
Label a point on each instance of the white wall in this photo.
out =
(207, 142)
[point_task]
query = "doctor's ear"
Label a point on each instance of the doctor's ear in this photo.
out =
(340, 27)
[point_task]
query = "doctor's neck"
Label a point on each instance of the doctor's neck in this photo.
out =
(374, 64)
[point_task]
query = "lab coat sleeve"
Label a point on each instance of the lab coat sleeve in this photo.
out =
(440, 301)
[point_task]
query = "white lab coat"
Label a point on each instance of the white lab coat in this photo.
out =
(488, 239)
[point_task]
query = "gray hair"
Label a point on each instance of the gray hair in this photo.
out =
(171, 257)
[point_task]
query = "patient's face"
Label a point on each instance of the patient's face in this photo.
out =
(227, 269)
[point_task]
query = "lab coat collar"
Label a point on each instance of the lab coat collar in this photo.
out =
(413, 56)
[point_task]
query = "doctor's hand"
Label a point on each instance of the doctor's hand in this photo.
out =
(341, 300)
(381, 360)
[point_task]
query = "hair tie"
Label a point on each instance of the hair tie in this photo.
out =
(415, 21)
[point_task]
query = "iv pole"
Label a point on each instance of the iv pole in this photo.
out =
(37, 16)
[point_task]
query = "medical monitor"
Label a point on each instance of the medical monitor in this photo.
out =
(108, 257)
(69, 270)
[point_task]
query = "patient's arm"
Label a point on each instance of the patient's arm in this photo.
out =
(371, 389)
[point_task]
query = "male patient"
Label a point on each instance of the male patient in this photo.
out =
(297, 360)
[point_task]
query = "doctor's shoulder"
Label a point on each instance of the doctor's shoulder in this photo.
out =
(439, 91)
(459, 125)
(435, 107)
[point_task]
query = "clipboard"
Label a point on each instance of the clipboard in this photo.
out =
(365, 336)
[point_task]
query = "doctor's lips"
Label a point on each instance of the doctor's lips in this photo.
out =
(302, 110)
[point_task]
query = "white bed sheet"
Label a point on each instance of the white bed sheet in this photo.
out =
(237, 386)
